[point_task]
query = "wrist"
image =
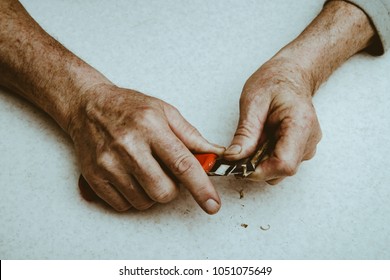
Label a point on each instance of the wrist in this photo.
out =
(82, 79)
(83, 87)
(339, 31)
(39, 68)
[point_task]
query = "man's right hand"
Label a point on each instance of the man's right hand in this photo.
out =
(134, 150)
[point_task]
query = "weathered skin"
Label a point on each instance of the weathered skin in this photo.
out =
(278, 96)
(134, 149)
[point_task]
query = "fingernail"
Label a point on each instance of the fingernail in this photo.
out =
(211, 206)
(233, 150)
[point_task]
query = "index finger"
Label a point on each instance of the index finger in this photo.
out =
(186, 168)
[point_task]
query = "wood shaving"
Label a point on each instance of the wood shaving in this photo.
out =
(241, 192)
(267, 227)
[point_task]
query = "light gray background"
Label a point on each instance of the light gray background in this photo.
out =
(197, 56)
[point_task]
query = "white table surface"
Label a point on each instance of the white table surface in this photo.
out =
(197, 56)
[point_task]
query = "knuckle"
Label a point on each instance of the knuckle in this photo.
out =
(104, 191)
(309, 155)
(146, 116)
(246, 129)
(191, 131)
(310, 118)
(105, 160)
(121, 206)
(288, 168)
(303, 117)
(243, 98)
(129, 145)
(183, 165)
(202, 192)
(170, 107)
(143, 206)
(165, 195)
(311, 115)
(250, 94)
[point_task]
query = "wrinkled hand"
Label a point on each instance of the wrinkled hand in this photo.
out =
(277, 100)
(134, 150)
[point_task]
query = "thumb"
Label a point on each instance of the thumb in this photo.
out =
(189, 135)
(249, 130)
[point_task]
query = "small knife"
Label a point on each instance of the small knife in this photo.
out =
(215, 166)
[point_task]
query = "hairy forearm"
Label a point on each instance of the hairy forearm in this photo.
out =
(277, 98)
(39, 68)
(338, 32)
